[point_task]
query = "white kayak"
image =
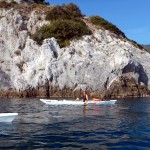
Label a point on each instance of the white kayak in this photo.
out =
(73, 102)
(7, 117)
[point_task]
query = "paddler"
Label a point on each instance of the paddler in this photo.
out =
(85, 96)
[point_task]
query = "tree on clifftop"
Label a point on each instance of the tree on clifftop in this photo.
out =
(39, 1)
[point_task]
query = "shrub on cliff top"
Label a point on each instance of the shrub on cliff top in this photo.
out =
(62, 30)
(72, 10)
(64, 12)
(66, 25)
(56, 12)
(98, 21)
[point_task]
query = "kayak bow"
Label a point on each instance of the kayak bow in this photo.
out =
(7, 117)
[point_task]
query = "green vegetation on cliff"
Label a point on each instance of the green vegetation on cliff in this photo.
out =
(70, 11)
(67, 21)
(98, 21)
(63, 30)
(67, 24)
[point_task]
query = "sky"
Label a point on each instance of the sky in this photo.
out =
(131, 16)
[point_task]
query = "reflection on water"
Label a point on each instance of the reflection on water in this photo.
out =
(93, 110)
(85, 110)
(125, 125)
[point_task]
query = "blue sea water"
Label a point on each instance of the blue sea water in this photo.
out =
(125, 125)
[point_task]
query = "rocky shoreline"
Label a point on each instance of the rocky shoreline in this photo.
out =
(123, 89)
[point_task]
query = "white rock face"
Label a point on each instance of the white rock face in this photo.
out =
(93, 62)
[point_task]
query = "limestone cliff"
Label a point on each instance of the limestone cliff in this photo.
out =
(102, 63)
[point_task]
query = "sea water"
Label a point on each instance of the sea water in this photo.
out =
(125, 125)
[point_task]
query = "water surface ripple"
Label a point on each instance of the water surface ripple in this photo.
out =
(125, 125)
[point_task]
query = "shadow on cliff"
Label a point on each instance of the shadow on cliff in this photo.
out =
(132, 83)
(4, 80)
(136, 68)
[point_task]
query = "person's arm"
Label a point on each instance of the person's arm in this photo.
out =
(87, 98)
